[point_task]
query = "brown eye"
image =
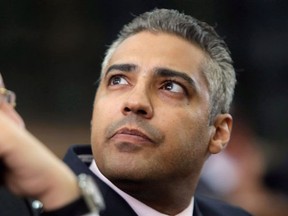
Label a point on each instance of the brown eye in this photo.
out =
(118, 80)
(173, 87)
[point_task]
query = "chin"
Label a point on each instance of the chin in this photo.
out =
(123, 172)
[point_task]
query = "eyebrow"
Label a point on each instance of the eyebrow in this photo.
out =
(165, 72)
(121, 67)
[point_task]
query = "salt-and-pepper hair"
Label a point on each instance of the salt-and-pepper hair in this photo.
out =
(217, 66)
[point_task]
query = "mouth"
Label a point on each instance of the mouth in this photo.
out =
(132, 135)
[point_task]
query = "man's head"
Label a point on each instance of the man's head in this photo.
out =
(152, 112)
(217, 65)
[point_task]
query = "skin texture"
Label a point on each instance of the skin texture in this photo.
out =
(29, 164)
(150, 126)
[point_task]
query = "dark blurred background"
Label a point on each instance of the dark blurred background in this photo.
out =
(51, 51)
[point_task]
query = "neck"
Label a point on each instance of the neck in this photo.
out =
(165, 197)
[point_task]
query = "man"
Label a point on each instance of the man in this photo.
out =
(161, 109)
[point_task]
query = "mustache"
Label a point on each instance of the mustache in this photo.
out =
(134, 122)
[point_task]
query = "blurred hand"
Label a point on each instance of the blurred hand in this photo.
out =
(31, 170)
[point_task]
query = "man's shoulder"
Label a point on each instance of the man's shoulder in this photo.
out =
(209, 206)
(82, 152)
(79, 158)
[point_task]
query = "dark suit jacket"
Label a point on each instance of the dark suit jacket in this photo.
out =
(79, 158)
(10, 205)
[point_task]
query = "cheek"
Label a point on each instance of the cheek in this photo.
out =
(98, 124)
(189, 150)
(187, 131)
(104, 110)
(104, 113)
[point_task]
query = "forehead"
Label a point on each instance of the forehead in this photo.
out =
(157, 49)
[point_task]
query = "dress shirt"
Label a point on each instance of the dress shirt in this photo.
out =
(140, 208)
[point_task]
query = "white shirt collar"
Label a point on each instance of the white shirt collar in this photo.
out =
(140, 208)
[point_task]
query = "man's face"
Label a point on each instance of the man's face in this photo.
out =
(150, 118)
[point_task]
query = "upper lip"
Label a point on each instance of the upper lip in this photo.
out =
(132, 131)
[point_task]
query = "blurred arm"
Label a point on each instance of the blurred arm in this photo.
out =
(31, 170)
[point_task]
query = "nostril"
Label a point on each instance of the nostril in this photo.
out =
(136, 111)
(126, 109)
(141, 112)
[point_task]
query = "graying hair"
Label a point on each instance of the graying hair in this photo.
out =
(217, 66)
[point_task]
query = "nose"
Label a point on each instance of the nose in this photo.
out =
(138, 101)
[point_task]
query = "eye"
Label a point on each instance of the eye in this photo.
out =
(173, 87)
(117, 80)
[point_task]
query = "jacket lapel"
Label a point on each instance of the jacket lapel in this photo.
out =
(78, 158)
(196, 211)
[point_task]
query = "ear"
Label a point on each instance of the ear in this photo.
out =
(221, 133)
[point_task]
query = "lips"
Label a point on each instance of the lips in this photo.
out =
(133, 134)
(133, 130)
